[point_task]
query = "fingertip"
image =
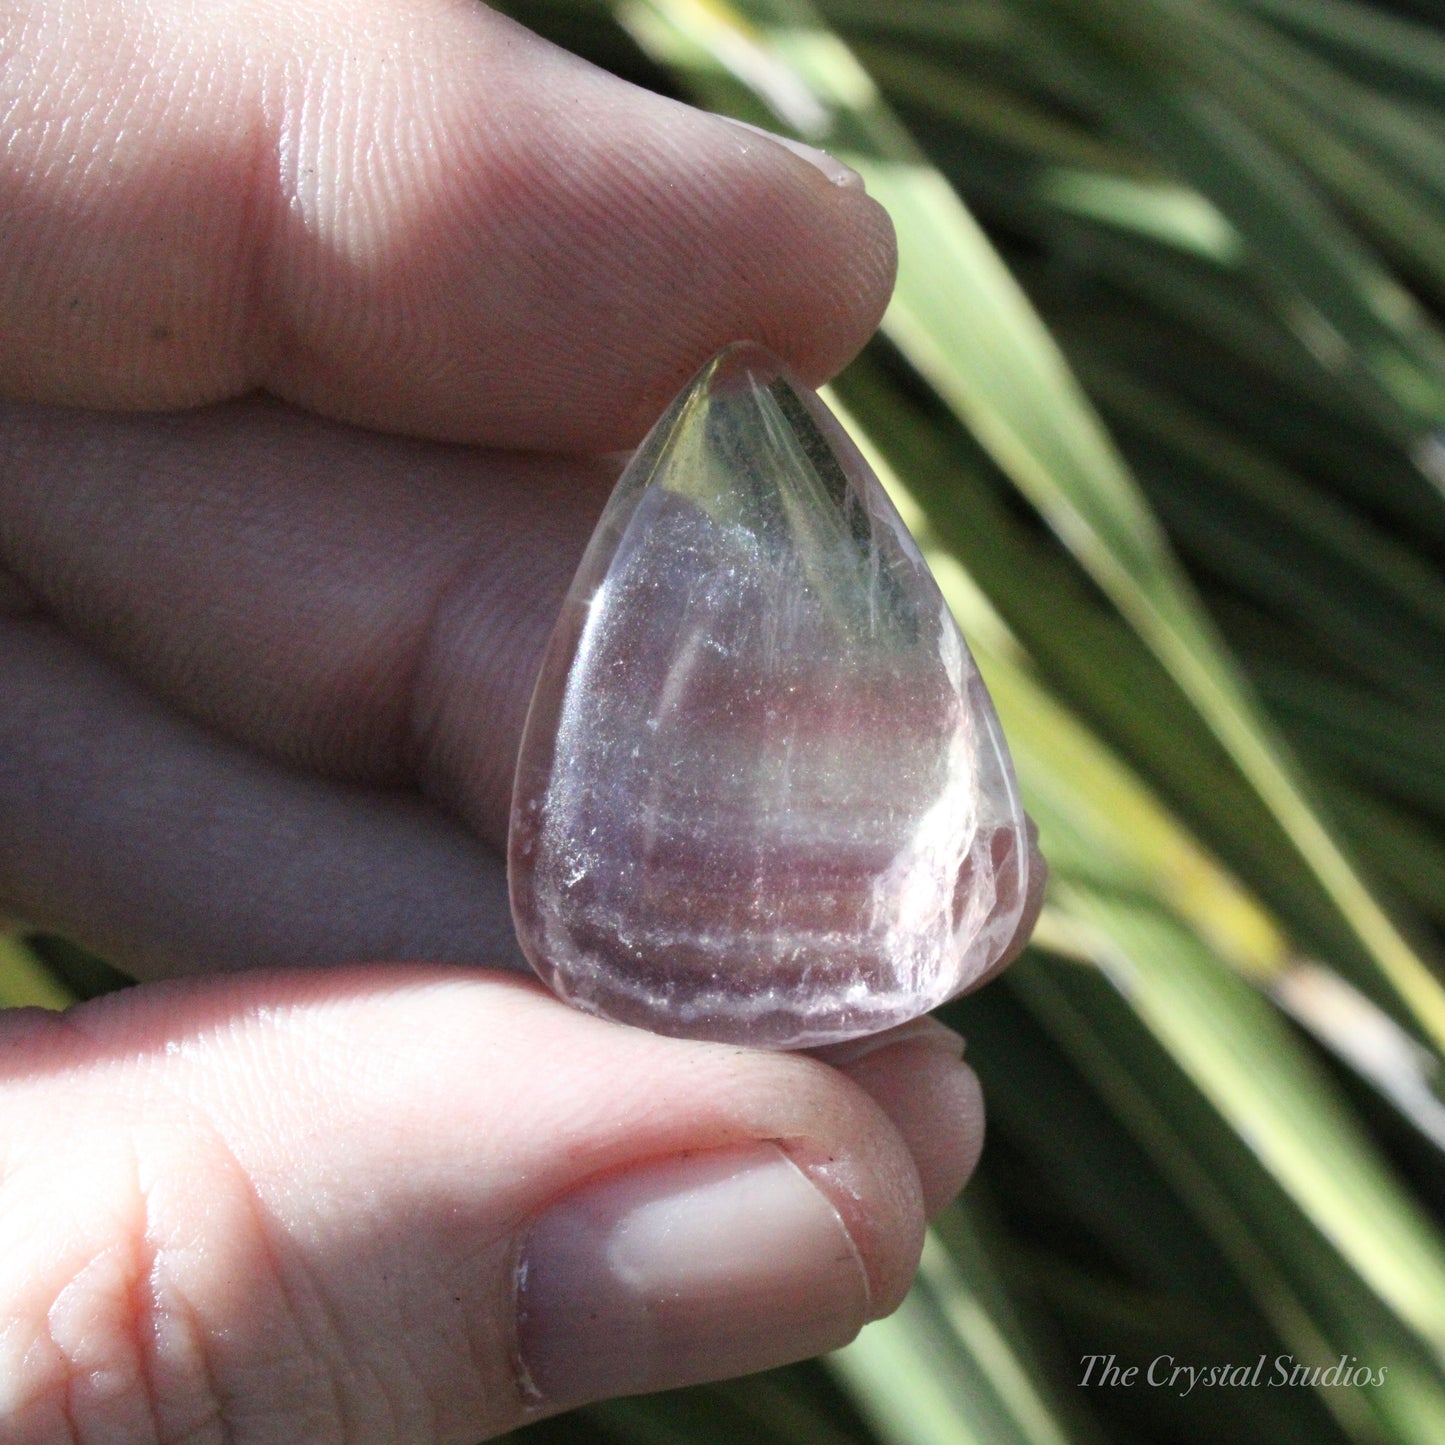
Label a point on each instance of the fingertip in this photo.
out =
(731, 236)
(935, 1102)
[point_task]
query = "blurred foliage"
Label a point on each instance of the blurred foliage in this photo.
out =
(1162, 394)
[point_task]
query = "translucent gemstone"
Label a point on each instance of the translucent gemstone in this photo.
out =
(762, 795)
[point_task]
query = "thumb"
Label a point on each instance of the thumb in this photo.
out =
(423, 1205)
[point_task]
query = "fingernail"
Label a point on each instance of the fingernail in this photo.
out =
(926, 1031)
(830, 166)
(685, 1270)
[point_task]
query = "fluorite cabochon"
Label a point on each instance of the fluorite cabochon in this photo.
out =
(762, 796)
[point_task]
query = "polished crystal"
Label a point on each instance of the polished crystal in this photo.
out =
(762, 796)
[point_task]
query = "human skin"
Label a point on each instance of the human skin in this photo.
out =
(319, 330)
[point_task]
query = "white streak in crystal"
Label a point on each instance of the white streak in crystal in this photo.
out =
(913, 897)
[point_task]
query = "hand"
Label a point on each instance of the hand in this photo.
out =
(316, 329)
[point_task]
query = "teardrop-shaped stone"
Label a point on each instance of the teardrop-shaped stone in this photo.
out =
(762, 795)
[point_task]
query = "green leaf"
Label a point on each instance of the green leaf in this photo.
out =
(25, 982)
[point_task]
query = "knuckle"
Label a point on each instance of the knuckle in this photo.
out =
(151, 1293)
(93, 1345)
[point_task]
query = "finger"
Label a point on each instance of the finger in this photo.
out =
(371, 608)
(169, 849)
(915, 1075)
(417, 1205)
(417, 216)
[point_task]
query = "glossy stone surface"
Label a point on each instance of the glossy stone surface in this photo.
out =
(762, 796)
